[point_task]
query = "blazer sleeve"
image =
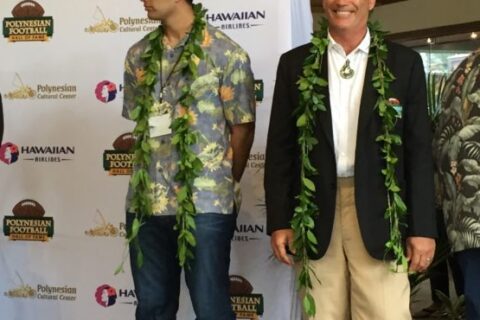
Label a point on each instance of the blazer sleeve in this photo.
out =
(282, 151)
(418, 155)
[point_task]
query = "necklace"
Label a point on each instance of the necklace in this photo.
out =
(311, 103)
(346, 72)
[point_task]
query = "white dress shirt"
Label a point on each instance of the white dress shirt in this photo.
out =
(345, 97)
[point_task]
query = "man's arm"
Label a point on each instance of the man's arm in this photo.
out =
(281, 167)
(419, 173)
(280, 164)
(241, 142)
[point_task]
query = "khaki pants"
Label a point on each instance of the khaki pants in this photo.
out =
(353, 285)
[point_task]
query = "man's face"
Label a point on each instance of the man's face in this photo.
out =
(158, 9)
(347, 16)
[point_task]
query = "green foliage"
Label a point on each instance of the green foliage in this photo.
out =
(454, 309)
(183, 137)
(312, 101)
(396, 208)
(435, 87)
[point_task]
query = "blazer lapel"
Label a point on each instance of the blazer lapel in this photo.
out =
(325, 118)
(369, 97)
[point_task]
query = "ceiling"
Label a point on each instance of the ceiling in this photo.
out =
(317, 4)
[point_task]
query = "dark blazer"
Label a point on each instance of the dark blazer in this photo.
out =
(414, 169)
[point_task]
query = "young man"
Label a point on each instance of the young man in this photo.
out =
(222, 114)
(355, 277)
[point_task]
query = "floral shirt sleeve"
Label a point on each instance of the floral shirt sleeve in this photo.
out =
(237, 90)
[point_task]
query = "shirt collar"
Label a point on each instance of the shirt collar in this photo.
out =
(364, 46)
(180, 44)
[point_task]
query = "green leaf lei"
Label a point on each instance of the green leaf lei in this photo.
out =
(310, 104)
(183, 137)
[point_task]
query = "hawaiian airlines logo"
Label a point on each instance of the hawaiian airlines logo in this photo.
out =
(248, 232)
(9, 153)
(106, 296)
(237, 19)
(106, 91)
(28, 23)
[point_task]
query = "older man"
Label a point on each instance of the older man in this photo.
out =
(351, 262)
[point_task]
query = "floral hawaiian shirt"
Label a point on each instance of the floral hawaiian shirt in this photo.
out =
(224, 93)
(457, 153)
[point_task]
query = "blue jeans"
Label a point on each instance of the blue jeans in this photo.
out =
(157, 282)
(469, 262)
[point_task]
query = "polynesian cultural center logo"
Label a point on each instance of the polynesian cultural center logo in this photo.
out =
(41, 91)
(42, 292)
(120, 160)
(28, 23)
(124, 24)
(245, 304)
(103, 24)
(28, 222)
(103, 228)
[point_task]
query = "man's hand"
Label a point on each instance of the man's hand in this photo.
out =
(281, 240)
(420, 252)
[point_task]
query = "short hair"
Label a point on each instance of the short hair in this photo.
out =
(190, 2)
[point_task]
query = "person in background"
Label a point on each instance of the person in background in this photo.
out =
(355, 278)
(457, 156)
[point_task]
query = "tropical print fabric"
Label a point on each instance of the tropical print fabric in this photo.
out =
(457, 153)
(224, 93)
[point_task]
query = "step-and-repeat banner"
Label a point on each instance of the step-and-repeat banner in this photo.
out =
(64, 166)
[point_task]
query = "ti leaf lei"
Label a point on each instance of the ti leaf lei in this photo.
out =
(312, 101)
(183, 138)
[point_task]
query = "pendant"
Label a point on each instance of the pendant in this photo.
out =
(346, 72)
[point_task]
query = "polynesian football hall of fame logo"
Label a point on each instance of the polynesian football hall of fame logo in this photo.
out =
(28, 23)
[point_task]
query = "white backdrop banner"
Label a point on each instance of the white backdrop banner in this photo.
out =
(64, 169)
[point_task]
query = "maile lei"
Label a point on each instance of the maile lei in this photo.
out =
(183, 138)
(312, 101)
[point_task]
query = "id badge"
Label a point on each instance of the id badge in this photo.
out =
(160, 125)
